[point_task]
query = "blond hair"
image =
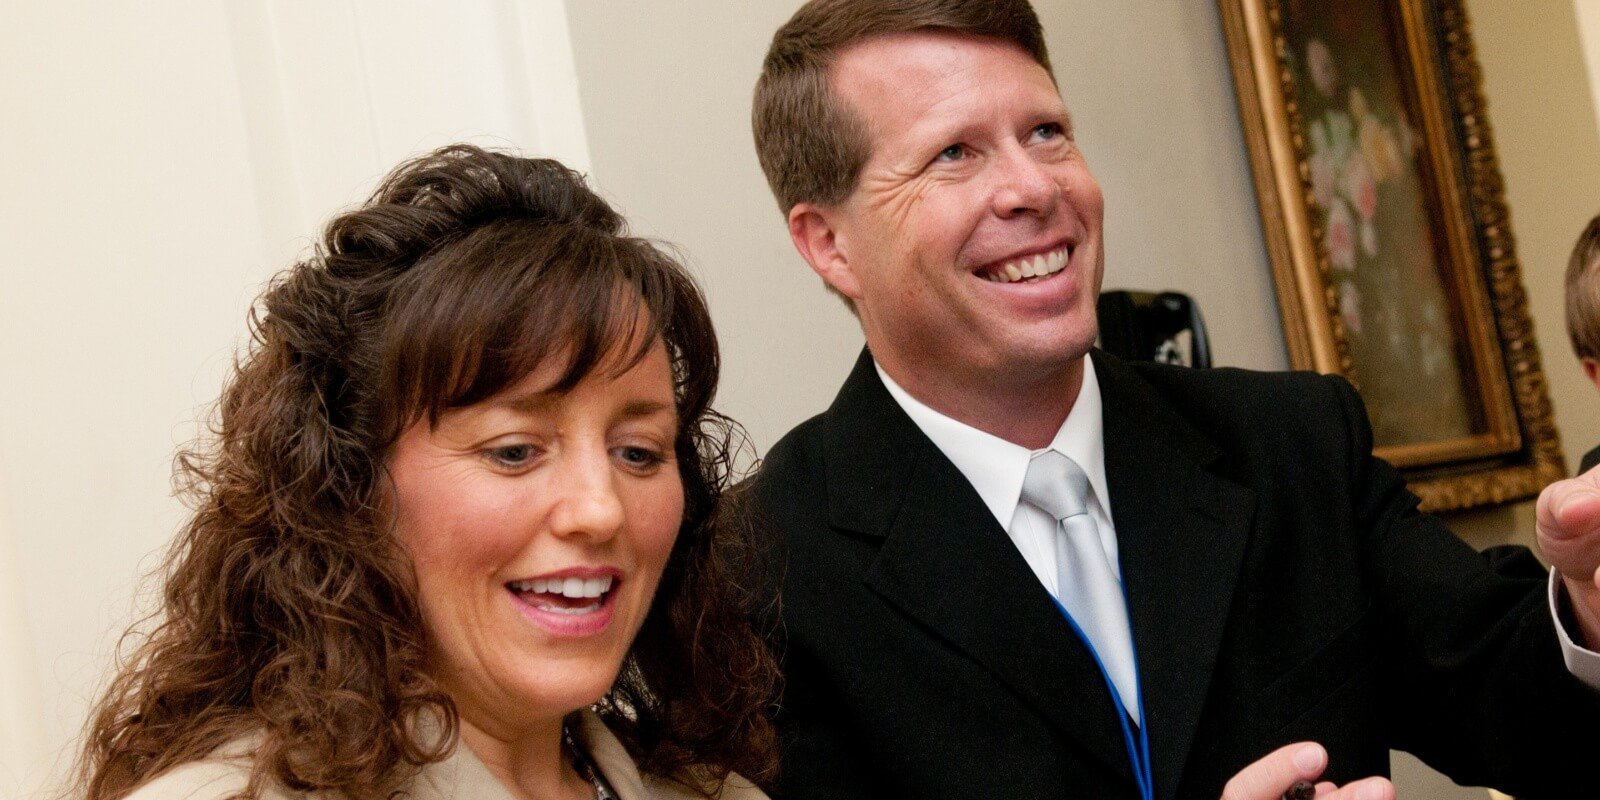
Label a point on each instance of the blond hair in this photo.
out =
(1583, 292)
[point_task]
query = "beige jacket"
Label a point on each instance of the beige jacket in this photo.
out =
(460, 777)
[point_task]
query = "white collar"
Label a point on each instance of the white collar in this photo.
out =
(996, 467)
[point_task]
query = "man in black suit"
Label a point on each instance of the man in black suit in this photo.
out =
(947, 626)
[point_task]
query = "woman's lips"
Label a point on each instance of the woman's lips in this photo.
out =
(570, 606)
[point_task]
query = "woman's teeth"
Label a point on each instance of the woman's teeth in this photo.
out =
(1029, 267)
(573, 588)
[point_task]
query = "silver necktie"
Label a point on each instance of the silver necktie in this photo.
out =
(1087, 585)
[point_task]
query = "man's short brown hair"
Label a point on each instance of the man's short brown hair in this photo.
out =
(1583, 293)
(811, 145)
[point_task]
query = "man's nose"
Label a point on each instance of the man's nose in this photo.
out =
(1024, 186)
(587, 502)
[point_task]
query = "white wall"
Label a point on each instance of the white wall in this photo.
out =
(163, 160)
(21, 757)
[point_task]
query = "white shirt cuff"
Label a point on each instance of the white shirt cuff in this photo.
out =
(1584, 664)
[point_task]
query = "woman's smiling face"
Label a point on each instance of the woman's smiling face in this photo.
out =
(539, 524)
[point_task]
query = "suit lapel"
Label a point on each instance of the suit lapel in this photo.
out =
(1181, 534)
(948, 565)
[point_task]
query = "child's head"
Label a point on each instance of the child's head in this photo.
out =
(1583, 300)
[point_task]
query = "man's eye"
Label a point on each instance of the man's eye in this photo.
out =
(1047, 131)
(952, 153)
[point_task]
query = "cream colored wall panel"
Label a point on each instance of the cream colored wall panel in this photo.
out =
(548, 65)
(340, 91)
(343, 90)
(129, 246)
(22, 756)
(168, 158)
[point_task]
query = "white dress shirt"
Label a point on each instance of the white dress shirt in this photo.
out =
(996, 467)
(1583, 663)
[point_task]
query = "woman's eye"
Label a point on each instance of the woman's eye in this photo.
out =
(512, 456)
(640, 458)
(952, 153)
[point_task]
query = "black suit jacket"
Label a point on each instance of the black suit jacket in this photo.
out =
(1590, 459)
(1281, 585)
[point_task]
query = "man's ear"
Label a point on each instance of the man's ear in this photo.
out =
(815, 232)
(1591, 368)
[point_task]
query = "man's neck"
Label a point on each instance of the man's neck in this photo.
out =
(1024, 410)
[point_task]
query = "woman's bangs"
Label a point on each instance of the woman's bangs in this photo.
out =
(590, 301)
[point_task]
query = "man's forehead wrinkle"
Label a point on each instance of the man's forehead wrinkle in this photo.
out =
(936, 122)
(923, 78)
(935, 98)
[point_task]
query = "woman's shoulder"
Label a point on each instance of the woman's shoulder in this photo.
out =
(734, 788)
(618, 767)
(197, 780)
(223, 774)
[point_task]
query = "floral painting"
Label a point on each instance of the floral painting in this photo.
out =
(1368, 183)
(1384, 218)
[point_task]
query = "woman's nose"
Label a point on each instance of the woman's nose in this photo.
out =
(587, 503)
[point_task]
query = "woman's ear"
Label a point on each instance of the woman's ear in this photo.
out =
(816, 233)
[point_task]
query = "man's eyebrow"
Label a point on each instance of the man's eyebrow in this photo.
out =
(943, 131)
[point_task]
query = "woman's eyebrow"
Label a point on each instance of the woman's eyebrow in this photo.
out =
(527, 402)
(647, 408)
(536, 402)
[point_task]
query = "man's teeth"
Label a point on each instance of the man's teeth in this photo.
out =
(576, 588)
(1028, 267)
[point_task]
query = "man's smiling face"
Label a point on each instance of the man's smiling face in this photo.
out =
(971, 245)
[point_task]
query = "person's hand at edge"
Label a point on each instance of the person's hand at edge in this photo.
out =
(1273, 775)
(1569, 536)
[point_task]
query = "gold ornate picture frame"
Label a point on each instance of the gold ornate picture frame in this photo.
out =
(1385, 219)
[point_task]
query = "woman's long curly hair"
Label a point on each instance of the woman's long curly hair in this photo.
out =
(288, 611)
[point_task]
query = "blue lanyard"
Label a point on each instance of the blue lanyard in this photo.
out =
(1138, 752)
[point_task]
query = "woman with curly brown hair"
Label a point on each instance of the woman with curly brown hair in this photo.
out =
(456, 535)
